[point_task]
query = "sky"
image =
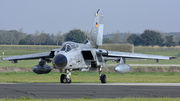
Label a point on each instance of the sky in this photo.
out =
(52, 16)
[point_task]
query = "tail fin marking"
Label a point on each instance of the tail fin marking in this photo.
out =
(96, 35)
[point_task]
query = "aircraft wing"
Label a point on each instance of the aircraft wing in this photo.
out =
(137, 55)
(115, 54)
(30, 56)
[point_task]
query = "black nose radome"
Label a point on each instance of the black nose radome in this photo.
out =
(60, 61)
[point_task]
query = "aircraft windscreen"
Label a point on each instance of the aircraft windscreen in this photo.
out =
(69, 46)
(64, 48)
(73, 45)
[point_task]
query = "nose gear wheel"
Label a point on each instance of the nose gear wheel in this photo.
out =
(63, 79)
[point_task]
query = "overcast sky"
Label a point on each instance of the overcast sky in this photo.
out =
(52, 16)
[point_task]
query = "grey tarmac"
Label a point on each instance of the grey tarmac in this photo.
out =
(89, 90)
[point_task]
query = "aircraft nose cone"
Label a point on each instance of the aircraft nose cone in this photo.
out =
(60, 61)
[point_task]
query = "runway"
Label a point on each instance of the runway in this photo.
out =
(89, 90)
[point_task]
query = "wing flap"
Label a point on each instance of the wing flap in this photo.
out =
(30, 56)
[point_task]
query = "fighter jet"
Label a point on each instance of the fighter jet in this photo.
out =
(84, 57)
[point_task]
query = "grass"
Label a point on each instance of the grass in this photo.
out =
(28, 47)
(89, 99)
(8, 53)
(89, 77)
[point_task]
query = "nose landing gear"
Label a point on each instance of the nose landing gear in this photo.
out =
(65, 78)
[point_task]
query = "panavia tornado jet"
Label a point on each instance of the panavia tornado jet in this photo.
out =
(84, 57)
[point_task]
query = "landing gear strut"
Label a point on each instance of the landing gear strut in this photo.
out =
(65, 78)
(102, 77)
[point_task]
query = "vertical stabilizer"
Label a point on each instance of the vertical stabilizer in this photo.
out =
(96, 35)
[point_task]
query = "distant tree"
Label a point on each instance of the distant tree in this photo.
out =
(169, 41)
(23, 42)
(75, 35)
(12, 37)
(150, 37)
(87, 33)
(19, 35)
(177, 38)
(2, 36)
(138, 41)
(44, 39)
(29, 39)
(135, 39)
(163, 36)
(35, 35)
(132, 38)
(116, 37)
(106, 41)
(126, 35)
(52, 37)
(59, 38)
(15, 36)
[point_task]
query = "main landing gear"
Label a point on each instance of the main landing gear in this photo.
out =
(65, 78)
(102, 77)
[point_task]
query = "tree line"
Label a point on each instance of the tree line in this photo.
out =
(151, 38)
(14, 37)
(147, 38)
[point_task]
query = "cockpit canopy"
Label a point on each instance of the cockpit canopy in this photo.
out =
(68, 46)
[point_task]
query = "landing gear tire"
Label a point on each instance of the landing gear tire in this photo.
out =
(103, 78)
(63, 76)
(63, 79)
(68, 80)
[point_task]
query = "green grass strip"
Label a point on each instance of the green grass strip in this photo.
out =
(90, 77)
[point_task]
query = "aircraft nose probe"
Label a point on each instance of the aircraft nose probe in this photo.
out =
(60, 61)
